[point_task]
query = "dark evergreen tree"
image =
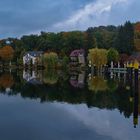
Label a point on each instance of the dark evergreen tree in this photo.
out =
(125, 38)
(90, 38)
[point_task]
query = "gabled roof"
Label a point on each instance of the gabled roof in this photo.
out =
(34, 53)
(75, 53)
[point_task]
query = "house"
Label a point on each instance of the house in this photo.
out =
(32, 57)
(78, 57)
(133, 57)
(127, 60)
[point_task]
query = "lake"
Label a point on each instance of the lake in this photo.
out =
(58, 105)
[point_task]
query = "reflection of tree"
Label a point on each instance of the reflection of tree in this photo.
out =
(34, 92)
(97, 83)
(108, 96)
(65, 93)
(6, 80)
(50, 77)
(19, 82)
(112, 85)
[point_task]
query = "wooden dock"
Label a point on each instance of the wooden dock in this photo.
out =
(119, 70)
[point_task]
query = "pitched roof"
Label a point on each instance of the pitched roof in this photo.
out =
(34, 53)
(75, 53)
(134, 56)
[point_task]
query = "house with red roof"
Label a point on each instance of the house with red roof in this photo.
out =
(133, 57)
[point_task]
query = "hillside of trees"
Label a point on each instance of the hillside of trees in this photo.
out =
(124, 38)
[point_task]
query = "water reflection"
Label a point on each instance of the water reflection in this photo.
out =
(77, 80)
(97, 84)
(33, 77)
(50, 77)
(6, 81)
(101, 91)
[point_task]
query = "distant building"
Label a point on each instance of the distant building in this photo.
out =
(32, 57)
(133, 57)
(78, 57)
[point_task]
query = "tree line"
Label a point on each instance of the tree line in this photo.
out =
(125, 39)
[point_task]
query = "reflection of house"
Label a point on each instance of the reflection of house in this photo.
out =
(78, 81)
(32, 57)
(32, 77)
(78, 57)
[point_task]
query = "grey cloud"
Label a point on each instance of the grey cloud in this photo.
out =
(21, 17)
(18, 17)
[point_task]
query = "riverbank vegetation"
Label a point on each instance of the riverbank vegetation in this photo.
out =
(112, 40)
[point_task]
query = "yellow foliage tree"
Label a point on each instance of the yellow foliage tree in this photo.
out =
(97, 57)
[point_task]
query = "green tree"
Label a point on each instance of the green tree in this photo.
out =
(50, 60)
(65, 61)
(91, 38)
(112, 55)
(125, 38)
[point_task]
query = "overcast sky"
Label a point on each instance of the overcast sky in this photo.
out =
(19, 17)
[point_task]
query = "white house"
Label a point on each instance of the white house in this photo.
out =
(32, 57)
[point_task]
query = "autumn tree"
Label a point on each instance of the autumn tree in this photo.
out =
(6, 53)
(97, 57)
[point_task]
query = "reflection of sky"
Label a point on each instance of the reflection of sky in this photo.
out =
(30, 120)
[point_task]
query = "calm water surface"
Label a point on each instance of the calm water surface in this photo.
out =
(50, 105)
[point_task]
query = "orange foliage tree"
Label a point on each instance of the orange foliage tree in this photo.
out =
(137, 27)
(6, 53)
